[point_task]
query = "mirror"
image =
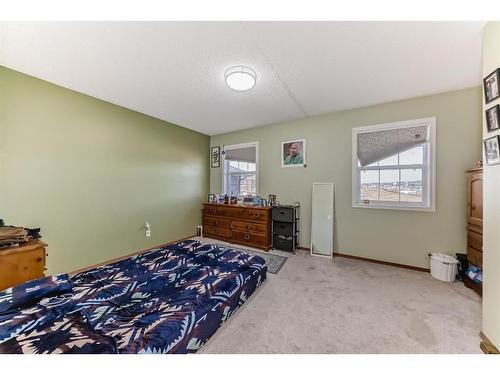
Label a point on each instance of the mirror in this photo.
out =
(322, 219)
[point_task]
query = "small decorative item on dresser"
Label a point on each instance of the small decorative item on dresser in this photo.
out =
(211, 198)
(272, 200)
(490, 85)
(492, 150)
(493, 118)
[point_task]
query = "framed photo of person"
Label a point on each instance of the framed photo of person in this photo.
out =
(491, 88)
(293, 153)
(493, 118)
(215, 157)
(492, 150)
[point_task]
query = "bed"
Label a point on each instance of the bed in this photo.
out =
(167, 300)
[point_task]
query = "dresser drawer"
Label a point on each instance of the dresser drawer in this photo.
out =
(210, 210)
(217, 222)
(250, 238)
(283, 214)
(16, 268)
(235, 212)
(258, 215)
(283, 228)
(475, 257)
(246, 226)
(475, 240)
(217, 231)
(284, 243)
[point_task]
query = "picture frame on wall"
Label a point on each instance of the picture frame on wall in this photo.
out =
(215, 157)
(293, 153)
(491, 86)
(492, 150)
(493, 118)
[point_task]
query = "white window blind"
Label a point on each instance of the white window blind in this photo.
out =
(378, 145)
(247, 154)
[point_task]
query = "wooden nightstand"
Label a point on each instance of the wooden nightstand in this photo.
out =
(22, 263)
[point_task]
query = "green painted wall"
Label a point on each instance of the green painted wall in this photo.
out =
(396, 236)
(90, 173)
(491, 204)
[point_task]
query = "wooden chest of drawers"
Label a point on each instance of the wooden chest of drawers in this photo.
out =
(23, 263)
(239, 224)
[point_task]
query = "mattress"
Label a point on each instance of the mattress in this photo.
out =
(167, 300)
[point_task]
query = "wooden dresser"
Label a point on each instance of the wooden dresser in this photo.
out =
(246, 225)
(22, 263)
(474, 223)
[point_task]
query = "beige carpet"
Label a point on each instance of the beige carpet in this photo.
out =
(316, 305)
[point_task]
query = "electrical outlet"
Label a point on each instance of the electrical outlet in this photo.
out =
(148, 229)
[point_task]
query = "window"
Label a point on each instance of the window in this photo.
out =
(394, 165)
(240, 169)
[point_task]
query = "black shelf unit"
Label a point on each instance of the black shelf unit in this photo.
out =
(285, 227)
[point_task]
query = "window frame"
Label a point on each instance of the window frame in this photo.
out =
(234, 147)
(428, 168)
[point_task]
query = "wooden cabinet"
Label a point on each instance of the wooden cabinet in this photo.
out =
(239, 224)
(23, 263)
(474, 222)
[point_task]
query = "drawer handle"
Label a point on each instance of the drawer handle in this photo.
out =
(38, 259)
(247, 237)
(248, 226)
(256, 215)
(282, 212)
(216, 230)
(216, 223)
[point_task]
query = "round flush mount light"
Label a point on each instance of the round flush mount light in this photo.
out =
(240, 78)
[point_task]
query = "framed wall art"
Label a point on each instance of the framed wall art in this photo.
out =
(492, 150)
(493, 118)
(490, 85)
(215, 157)
(293, 153)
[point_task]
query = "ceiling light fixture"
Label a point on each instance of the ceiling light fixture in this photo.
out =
(240, 78)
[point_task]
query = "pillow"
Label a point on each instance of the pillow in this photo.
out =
(30, 292)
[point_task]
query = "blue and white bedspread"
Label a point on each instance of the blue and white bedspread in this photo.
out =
(167, 300)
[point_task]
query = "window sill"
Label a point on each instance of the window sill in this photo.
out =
(394, 207)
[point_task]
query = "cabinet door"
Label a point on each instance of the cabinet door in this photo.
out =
(18, 267)
(475, 198)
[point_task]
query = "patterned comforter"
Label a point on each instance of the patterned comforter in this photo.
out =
(167, 300)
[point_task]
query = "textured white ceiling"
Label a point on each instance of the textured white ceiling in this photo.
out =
(175, 70)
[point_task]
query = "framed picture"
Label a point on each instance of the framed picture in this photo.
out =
(215, 157)
(491, 150)
(493, 118)
(491, 89)
(293, 153)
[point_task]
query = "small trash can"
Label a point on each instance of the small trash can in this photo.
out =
(444, 267)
